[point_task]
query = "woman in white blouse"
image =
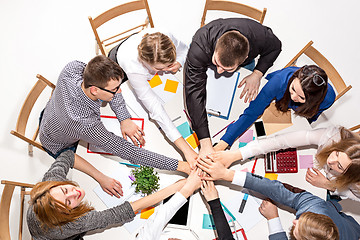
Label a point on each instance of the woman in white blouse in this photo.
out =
(338, 155)
(141, 56)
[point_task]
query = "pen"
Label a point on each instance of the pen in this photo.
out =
(223, 129)
(243, 202)
(177, 118)
(213, 112)
(129, 164)
(194, 233)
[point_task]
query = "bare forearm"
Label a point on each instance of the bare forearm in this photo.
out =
(84, 166)
(157, 197)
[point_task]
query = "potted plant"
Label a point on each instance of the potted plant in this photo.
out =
(145, 179)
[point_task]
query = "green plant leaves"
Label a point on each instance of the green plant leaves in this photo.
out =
(146, 180)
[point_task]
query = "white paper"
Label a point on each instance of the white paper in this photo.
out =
(120, 173)
(250, 216)
(220, 92)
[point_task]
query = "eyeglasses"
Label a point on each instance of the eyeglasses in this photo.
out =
(107, 90)
(316, 78)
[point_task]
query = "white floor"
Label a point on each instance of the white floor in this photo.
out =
(42, 36)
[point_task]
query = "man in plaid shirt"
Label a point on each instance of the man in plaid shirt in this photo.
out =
(73, 114)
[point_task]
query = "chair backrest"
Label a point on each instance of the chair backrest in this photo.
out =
(26, 109)
(322, 62)
(105, 44)
(223, 5)
(5, 203)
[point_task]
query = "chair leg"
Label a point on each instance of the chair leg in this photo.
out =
(22, 198)
(30, 150)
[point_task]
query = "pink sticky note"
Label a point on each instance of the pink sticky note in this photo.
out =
(244, 170)
(247, 136)
(306, 161)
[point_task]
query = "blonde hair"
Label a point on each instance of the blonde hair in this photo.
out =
(350, 145)
(51, 212)
(157, 48)
(313, 226)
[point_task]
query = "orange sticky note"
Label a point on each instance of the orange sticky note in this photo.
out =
(193, 141)
(147, 212)
(155, 81)
(171, 86)
(271, 176)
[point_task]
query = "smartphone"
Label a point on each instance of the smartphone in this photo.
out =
(260, 129)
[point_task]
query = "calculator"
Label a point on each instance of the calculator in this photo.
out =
(282, 161)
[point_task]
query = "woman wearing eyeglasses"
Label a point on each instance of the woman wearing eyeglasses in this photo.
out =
(305, 90)
(141, 56)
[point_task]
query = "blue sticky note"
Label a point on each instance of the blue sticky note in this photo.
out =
(242, 144)
(208, 222)
(185, 129)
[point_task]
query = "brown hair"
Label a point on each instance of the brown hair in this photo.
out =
(232, 48)
(51, 212)
(350, 145)
(313, 226)
(157, 48)
(314, 92)
(100, 70)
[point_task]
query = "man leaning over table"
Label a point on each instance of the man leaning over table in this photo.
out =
(73, 114)
(227, 45)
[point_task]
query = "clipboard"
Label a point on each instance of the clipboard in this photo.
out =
(112, 124)
(220, 93)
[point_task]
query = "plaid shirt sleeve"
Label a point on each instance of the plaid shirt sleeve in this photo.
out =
(118, 105)
(97, 134)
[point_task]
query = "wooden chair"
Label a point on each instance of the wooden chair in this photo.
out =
(110, 14)
(354, 127)
(25, 111)
(6, 198)
(322, 62)
(223, 5)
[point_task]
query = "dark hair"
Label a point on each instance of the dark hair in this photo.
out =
(157, 48)
(350, 145)
(313, 82)
(100, 70)
(232, 48)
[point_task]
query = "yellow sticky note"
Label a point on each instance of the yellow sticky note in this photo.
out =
(147, 212)
(155, 81)
(171, 86)
(271, 176)
(193, 141)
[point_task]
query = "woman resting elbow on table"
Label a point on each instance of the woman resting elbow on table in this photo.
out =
(57, 209)
(338, 155)
(305, 90)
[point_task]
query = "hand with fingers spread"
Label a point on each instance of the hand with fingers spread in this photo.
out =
(317, 179)
(130, 129)
(111, 186)
(268, 209)
(215, 170)
(252, 84)
(209, 190)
